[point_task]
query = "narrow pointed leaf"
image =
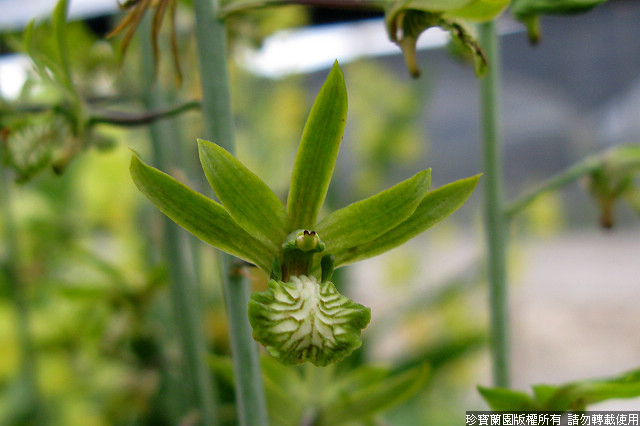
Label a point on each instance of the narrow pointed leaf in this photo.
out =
(570, 396)
(249, 201)
(59, 30)
(364, 403)
(542, 393)
(318, 150)
(360, 377)
(576, 395)
(433, 208)
(199, 215)
(507, 399)
(282, 376)
(365, 220)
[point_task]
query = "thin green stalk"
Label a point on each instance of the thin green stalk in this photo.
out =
(214, 76)
(216, 105)
(184, 287)
(495, 222)
(584, 167)
(251, 404)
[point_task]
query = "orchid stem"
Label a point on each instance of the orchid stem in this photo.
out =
(495, 220)
(218, 120)
(184, 287)
(573, 173)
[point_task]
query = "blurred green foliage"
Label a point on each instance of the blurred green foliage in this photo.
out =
(89, 261)
(574, 396)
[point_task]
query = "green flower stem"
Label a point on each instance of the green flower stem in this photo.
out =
(183, 286)
(582, 168)
(218, 120)
(251, 403)
(216, 91)
(495, 221)
(16, 287)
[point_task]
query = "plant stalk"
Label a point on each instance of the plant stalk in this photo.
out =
(578, 170)
(495, 221)
(138, 119)
(184, 287)
(218, 122)
(250, 400)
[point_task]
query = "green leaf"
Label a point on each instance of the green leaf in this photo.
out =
(433, 208)
(28, 39)
(542, 393)
(579, 394)
(480, 10)
(365, 220)
(39, 59)
(428, 5)
(571, 396)
(199, 215)
(502, 399)
(59, 29)
(283, 387)
(357, 378)
(445, 351)
(318, 151)
(364, 403)
(552, 7)
(249, 201)
(282, 376)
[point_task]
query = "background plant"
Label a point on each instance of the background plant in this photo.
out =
(70, 278)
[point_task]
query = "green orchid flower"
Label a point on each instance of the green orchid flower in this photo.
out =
(301, 316)
(406, 20)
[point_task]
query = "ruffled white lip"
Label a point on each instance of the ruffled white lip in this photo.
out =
(310, 317)
(303, 320)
